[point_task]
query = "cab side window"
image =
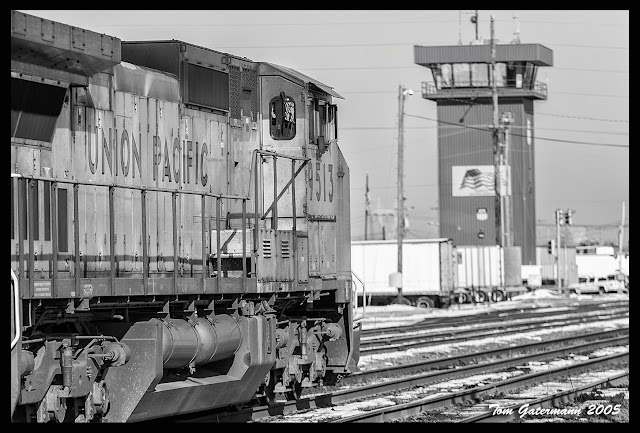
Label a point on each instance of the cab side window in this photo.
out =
(282, 114)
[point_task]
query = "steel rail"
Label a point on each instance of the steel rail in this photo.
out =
(503, 329)
(620, 379)
(400, 336)
(401, 411)
(473, 319)
(340, 396)
(432, 364)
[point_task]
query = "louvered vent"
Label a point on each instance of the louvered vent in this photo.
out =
(285, 249)
(266, 248)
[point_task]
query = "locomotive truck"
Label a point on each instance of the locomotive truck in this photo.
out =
(180, 235)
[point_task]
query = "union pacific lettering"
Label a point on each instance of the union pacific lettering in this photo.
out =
(120, 153)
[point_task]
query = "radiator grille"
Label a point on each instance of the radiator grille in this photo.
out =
(208, 87)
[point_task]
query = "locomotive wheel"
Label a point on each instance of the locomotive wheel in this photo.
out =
(269, 393)
(295, 393)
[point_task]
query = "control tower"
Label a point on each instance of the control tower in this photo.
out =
(462, 88)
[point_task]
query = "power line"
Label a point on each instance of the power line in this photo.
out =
(347, 68)
(554, 92)
(520, 135)
(584, 118)
(297, 24)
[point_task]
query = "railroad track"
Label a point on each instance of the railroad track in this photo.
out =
(416, 367)
(402, 411)
(511, 412)
(376, 389)
(387, 344)
(479, 318)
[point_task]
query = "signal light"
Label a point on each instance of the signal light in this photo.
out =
(551, 247)
(568, 217)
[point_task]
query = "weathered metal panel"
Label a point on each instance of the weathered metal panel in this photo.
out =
(314, 248)
(343, 217)
(303, 259)
(52, 44)
(534, 53)
(327, 244)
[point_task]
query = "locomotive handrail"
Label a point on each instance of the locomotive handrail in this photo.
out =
(140, 188)
(16, 308)
(31, 179)
(364, 299)
(281, 155)
(274, 205)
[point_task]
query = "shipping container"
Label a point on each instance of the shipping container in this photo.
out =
(547, 264)
(429, 270)
(480, 267)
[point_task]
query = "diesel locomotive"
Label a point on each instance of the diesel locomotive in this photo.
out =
(180, 235)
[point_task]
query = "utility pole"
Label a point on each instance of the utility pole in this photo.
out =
(402, 93)
(367, 202)
(499, 209)
(621, 239)
(496, 145)
(559, 222)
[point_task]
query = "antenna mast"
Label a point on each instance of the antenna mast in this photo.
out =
(516, 34)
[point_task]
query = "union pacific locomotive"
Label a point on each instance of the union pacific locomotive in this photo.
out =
(180, 234)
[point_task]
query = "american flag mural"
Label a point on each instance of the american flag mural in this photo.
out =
(473, 181)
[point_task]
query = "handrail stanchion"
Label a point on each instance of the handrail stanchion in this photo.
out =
(174, 211)
(203, 217)
(254, 260)
(31, 223)
(274, 211)
(244, 246)
(218, 249)
(293, 215)
(21, 234)
(145, 253)
(54, 237)
(76, 237)
(112, 242)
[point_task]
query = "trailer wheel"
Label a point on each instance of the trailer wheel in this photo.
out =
(425, 303)
(481, 297)
(497, 296)
(461, 298)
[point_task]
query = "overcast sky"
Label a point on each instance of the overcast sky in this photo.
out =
(365, 55)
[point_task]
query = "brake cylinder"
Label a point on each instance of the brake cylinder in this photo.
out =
(199, 342)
